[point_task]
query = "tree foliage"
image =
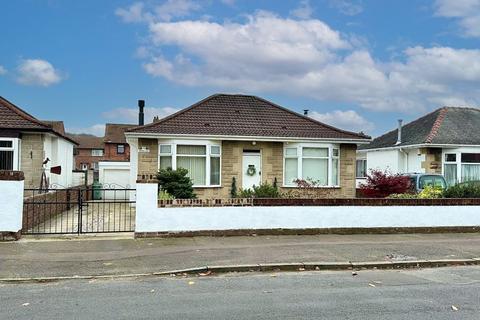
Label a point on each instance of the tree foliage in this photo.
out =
(381, 184)
(176, 183)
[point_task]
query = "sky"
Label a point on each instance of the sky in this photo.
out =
(356, 64)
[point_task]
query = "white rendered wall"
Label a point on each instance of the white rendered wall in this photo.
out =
(383, 160)
(11, 205)
(150, 218)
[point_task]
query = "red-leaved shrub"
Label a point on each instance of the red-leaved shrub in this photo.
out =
(381, 184)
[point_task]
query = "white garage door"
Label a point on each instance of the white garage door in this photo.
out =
(115, 179)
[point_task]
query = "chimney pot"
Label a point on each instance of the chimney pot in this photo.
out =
(305, 112)
(141, 115)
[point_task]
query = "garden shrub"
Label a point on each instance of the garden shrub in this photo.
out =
(381, 184)
(429, 192)
(233, 189)
(264, 190)
(164, 195)
(463, 190)
(176, 183)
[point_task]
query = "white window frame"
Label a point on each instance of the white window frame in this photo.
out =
(16, 151)
(208, 145)
(300, 157)
(95, 155)
(363, 160)
(458, 152)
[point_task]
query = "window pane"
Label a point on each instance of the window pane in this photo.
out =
(315, 152)
(451, 174)
(291, 170)
(6, 160)
(426, 181)
(215, 150)
(192, 150)
(97, 152)
(335, 172)
(292, 152)
(165, 162)
(361, 169)
(215, 171)
(165, 149)
(195, 167)
(335, 152)
(5, 144)
(470, 172)
(316, 169)
(120, 148)
(451, 157)
(471, 157)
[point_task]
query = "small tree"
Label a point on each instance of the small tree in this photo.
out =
(176, 183)
(233, 190)
(381, 184)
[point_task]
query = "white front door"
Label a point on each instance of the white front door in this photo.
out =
(252, 169)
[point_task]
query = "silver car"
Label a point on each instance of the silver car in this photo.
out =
(420, 180)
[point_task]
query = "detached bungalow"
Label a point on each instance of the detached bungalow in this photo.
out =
(247, 138)
(445, 141)
(26, 143)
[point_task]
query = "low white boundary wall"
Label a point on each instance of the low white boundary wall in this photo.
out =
(150, 218)
(11, 205)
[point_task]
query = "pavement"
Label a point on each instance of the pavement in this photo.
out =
(440, 294)
(113, 257)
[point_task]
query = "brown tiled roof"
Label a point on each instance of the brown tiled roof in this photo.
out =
(115, 132)
(14, 118)
(243, 115)
(87, 141)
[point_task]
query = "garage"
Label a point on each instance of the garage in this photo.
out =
(114, 177)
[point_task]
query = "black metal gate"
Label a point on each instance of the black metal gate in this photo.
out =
(78, 210)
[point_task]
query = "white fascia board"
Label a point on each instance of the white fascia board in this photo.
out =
(425, 145)
(243, 138)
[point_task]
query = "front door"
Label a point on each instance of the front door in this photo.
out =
(252, 169)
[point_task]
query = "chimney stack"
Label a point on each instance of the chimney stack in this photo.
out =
(399, 138)
(305, 112)
(141, 116)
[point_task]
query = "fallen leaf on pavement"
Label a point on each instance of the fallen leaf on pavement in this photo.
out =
(25, 304)
(204, 274)
(377, 282)
(301, 269)
(153, 290)
(454, 308)
(273, 275)
(191, 283)
(265, 291)
(372, 285)
(107, 263)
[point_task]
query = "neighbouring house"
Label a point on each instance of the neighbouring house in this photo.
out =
(445, 141)
(34, 146)
(248, 138)
(115, 143)
(89, 151)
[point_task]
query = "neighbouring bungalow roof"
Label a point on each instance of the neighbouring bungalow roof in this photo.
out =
(243, 115)
(115, 132)
(58, 126)
(87, 141)
(14, 118)
(444, 126)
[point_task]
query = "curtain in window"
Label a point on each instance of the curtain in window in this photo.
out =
(6, 160)
(191, 150)
(165, 162)
(361, 169)
(451, 174)
(196, 168)
(214, 171)
(470, 172)
(335, 172)
(316, 169)
(291, 170)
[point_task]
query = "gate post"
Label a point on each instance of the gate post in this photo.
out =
(11, 204)
(80, 211)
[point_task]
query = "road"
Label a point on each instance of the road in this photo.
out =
(406, 294)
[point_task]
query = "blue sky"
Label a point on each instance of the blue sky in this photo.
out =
(356, 64)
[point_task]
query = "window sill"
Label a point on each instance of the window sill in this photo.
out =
(320, 187)
(206, 187)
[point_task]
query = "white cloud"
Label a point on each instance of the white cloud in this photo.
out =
(347, 120)
(130, 115)
(166, 11)
(304, 11)
(268, 53)
(37, 72)
(466, 11)
(347, 7)
(96, 129)
(2, 70)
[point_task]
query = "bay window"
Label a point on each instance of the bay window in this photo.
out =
(461, 167)
(202, 161)
(311, 162)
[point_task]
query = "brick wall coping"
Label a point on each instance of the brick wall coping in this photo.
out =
(317, 202)
(7, 175)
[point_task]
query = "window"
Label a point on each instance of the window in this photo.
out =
(470, 166)
(120, 148)
(361, 168)
(97, 152)
(8, 155)
(450, 169)
(201, 161)
(307, 162)
(433, 181)
(95, 165)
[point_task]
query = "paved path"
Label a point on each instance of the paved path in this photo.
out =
(124, 256)
(406, 294)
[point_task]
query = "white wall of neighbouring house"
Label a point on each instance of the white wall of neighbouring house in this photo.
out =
(11, 205)
(150, 218)
(384, 160)
(60, 153)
